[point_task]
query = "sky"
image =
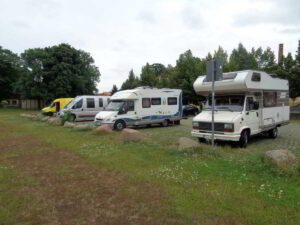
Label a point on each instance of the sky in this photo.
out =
(126, 34)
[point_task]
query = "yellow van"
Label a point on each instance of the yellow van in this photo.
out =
(56, 105)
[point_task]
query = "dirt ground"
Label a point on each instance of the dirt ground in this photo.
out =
(69, 190)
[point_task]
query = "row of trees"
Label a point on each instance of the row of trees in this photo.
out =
(188, 67)
(47, 73)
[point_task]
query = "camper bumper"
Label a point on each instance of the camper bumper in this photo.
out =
(99, 122)
(223, 137)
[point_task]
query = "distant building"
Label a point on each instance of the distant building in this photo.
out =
(107, 93)
(280, 53)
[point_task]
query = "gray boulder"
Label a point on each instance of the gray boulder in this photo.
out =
(282, 159)
(187, 143)
(83, 127)
(105, 128)
(56, 121)
(69, 125)
(131, 135)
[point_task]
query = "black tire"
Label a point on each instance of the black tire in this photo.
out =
(244, 139)
(273, 133)
(202, 140)
(119, 125)
(177, 122)
(165, 123)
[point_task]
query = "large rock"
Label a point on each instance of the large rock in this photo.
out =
(29, 116)
(105, 128)
(83, 127)
(128, 135)
(56, 121)
(69, 125)
(282, 159)
(45, 118)
(186, 143)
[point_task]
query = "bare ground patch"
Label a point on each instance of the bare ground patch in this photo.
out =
(72, 191)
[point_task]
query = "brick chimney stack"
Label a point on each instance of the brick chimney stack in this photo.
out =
(280, 53)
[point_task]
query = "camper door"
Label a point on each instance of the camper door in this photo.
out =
(252, 119)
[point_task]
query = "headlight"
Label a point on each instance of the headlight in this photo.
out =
(228, 127)
(195, 125)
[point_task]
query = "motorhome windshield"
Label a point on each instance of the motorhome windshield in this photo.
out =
(69, 104)
(115, 105)
(234, 103)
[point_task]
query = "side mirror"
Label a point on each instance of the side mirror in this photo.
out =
(122, 111)
(255, 105)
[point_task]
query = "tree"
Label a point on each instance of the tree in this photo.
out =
(241, 59)
(58, 71)
(11, 68)
(131, 82)
(114, 89)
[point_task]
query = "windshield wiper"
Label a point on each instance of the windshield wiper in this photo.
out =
(210, 108)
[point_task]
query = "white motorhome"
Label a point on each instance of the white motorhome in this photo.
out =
(246, 103)
(85, 107)
(142, 106)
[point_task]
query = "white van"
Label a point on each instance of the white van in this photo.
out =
(246, 103)
(142, 106)
(84, 108)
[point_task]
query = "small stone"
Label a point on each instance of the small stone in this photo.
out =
(83, 127)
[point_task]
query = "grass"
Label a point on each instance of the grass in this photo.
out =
(202, 186)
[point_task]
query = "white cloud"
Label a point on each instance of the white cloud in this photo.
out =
(121, 35)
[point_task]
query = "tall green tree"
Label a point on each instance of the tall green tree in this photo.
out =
(114, 89)
(58, 71)
(11, 68)
(241, 59)
(131, 82)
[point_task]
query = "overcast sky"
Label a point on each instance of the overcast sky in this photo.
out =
(121, 35)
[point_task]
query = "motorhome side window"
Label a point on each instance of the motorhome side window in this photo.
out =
(255, 77)
(90, 103)
(100, 102)
(270, 99)
(146, 103)
(172, 101)
(78, 104)
(155, 101)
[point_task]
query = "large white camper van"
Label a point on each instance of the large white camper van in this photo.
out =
(246, 103)
(142, 106)
(85, 107)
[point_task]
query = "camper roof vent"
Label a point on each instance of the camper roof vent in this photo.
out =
(144, 87)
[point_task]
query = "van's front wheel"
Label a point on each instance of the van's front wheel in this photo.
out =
(119, 125)
(243, 142)
(273, 133)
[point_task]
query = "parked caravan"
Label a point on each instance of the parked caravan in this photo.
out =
(142, 106)
(56, 106)
(246, 103)
(84, 108)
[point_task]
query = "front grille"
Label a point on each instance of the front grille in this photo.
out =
(99, 119)
(207, 126)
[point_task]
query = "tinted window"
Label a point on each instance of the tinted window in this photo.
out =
(255, 77)
(155, 101)
(100, 102)
(90, 103)
(78, 105)
(146, 103)
(172, 101)
(249, 104)
(129, 106)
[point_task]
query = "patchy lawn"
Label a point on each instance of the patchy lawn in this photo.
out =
(53, 175)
